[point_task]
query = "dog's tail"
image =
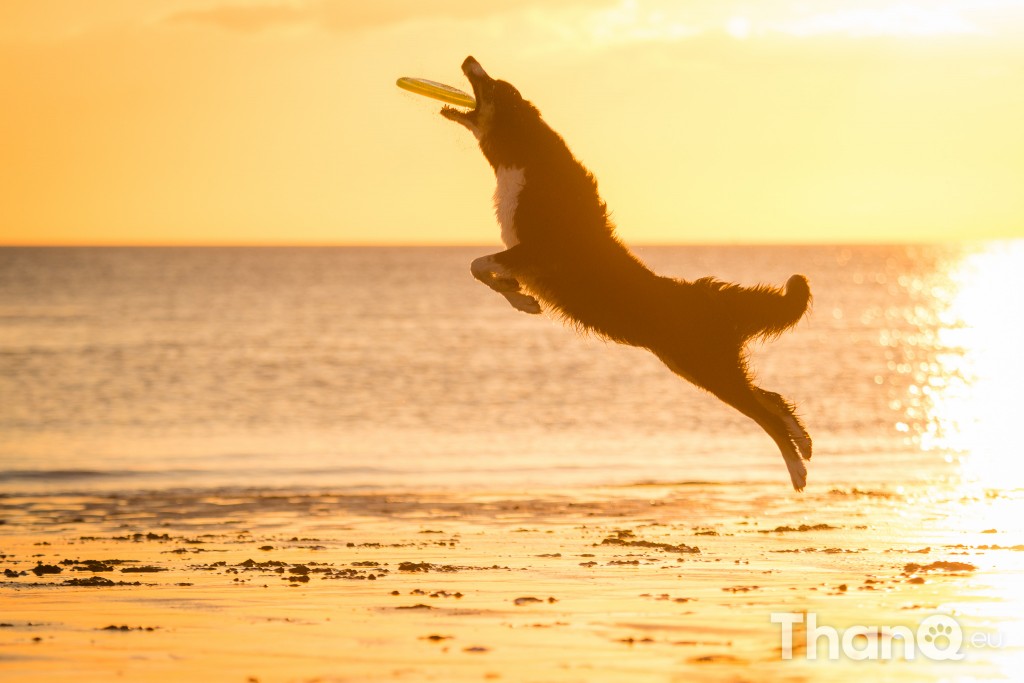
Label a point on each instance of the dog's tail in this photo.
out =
(764, 311)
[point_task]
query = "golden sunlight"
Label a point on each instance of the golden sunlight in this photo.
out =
(974, 393)
(253, 122)
(319, 461)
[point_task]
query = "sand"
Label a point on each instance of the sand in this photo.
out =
(639, 583)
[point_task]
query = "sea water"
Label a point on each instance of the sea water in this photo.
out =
(391, 368)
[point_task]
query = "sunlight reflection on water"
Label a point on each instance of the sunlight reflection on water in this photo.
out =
(964, 397)
(952, 336)
(205, 367)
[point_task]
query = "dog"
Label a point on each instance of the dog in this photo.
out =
(562, 255)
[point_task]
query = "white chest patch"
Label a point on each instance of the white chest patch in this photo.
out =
(506, 198)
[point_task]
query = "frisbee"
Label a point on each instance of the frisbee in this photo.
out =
(439, 91)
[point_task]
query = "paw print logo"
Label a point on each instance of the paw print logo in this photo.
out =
(939, 631)
(939, 638)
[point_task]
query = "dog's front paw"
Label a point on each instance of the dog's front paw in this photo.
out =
(523, 302)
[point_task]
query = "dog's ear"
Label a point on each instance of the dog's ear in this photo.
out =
(506, 91)
(513, 108)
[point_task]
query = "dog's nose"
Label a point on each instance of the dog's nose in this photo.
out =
(471, 67)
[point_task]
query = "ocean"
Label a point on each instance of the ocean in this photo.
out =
(392, 369)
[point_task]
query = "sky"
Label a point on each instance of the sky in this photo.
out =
(704, 121)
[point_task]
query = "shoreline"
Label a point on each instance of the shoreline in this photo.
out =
(640, 583)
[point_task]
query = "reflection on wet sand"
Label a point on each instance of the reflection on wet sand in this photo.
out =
(639, 583)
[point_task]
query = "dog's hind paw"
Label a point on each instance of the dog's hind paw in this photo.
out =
(797, 471)
(523, 302)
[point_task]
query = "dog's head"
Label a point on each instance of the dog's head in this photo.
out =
(501, 115)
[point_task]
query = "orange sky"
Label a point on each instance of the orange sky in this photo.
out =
(239, 122)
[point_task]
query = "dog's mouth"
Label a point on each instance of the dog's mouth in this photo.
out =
(477, 77)
(481, 84)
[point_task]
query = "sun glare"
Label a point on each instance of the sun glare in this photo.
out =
(893, 20)
(631, 20)
(974, 391)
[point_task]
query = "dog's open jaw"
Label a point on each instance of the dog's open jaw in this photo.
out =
(480, 81)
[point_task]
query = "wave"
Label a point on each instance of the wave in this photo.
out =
(65, 474)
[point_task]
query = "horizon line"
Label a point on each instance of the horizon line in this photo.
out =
(385, 245)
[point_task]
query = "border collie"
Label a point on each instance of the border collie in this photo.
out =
(562, 251)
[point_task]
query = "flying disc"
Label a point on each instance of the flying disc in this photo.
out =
(439, 91)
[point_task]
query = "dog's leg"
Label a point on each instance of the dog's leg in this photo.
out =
(748, 401)
(729, 381)
(787, 412)
(491, 271)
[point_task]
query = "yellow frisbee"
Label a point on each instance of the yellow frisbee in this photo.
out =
(439, 91)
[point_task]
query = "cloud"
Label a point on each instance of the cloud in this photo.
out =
(892, 20)
(346, 15)
(245, 18)
(545, 27)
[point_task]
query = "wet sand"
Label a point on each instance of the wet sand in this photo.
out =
(640, 583)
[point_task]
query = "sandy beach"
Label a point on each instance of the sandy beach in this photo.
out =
(638, 583)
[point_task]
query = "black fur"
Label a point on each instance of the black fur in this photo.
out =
(566, 255)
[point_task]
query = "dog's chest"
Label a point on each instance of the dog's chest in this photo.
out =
(506, 199)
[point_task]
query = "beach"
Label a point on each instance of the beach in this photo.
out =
(351, 465)
(634, 583)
